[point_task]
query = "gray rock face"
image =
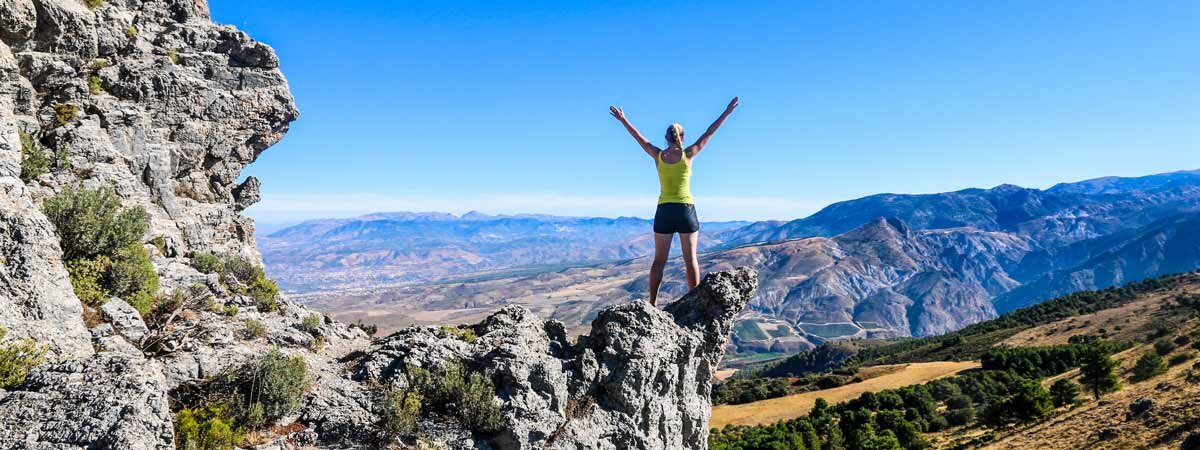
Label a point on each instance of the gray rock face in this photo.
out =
(111, 401)
(125, 320)
(640, 379)
(36, 299)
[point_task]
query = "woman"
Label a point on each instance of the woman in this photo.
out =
(676, 212)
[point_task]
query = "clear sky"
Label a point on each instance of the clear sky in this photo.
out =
(502, 106)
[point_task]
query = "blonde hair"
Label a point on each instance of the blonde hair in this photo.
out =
(675, 134)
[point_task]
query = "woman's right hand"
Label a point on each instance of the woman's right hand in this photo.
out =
(617, 112)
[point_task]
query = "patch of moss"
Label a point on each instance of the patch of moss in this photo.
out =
(64, 113)
(94, 87)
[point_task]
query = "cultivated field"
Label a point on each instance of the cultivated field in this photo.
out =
(790, 407)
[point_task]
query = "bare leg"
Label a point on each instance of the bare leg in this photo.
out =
(688, 241)
(662, 248)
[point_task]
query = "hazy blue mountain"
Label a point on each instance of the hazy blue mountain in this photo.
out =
(390, 247)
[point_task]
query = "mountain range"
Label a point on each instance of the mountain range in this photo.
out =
(405, 247)
(881, 266)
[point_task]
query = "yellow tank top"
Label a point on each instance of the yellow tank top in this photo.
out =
(674, 180)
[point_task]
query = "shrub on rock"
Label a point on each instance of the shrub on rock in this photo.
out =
(400, 410)
(132, 278)
(92, 223)
(16, 358)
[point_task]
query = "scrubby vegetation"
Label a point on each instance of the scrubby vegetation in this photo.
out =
(64, 113)
(312, 324)
(207, 262)
(34, 161)
(464, 333)
(454, 391)
(93, 4)
(255, 329)
(131, 31)
(400, 410)
(737, 391)
(94, 86)
(16, 358)
(241, 276)
(1064, 392)
(221, 412)
(370, 329)
(206, 428)
(101, 246)
(1148, 366)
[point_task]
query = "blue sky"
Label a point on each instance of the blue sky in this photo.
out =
(502, 106)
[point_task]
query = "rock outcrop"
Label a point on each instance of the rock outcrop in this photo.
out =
(640, 379)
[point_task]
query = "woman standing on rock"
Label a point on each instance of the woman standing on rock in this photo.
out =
(676, 211)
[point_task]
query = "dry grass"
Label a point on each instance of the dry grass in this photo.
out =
(1175, 414)
(1127, 322)
(722, 374)
(793, 406)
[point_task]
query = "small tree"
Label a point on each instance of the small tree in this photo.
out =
(1064, 392)
(1096, 370)
(1150, 365)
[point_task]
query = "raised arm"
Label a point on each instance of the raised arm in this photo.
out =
(695, 148)
(649, 148)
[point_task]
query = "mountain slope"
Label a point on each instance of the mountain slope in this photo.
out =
(1053, 217)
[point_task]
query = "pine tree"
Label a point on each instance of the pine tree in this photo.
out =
(1096, 370)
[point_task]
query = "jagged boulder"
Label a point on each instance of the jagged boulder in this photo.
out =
(640, 379)
(108, 401)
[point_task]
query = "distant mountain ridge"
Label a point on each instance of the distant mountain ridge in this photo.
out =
(1065, 213)
(391, 247)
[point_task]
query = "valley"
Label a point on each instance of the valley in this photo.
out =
(898, 265)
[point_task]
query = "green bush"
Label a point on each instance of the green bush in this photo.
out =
(277, 383)
(255, 329)
(207, 262)
(316, 344)
(465, 334)
(401, 409)
(312, 324)
(94, 87)
(1164, 347)
(210, 427)
(16, 358)
(34, 161)
(243, 276)
(1064, 392)
(1181, 358)
(131, 31)
(87, 279)
(132, 277)
(173, 56)
(265, 293)
(93, 222)
(93, 4)
(64, 113)
(1150, 365)
(958, 417)
(468, 396)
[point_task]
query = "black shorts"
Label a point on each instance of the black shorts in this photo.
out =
(676, 218)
